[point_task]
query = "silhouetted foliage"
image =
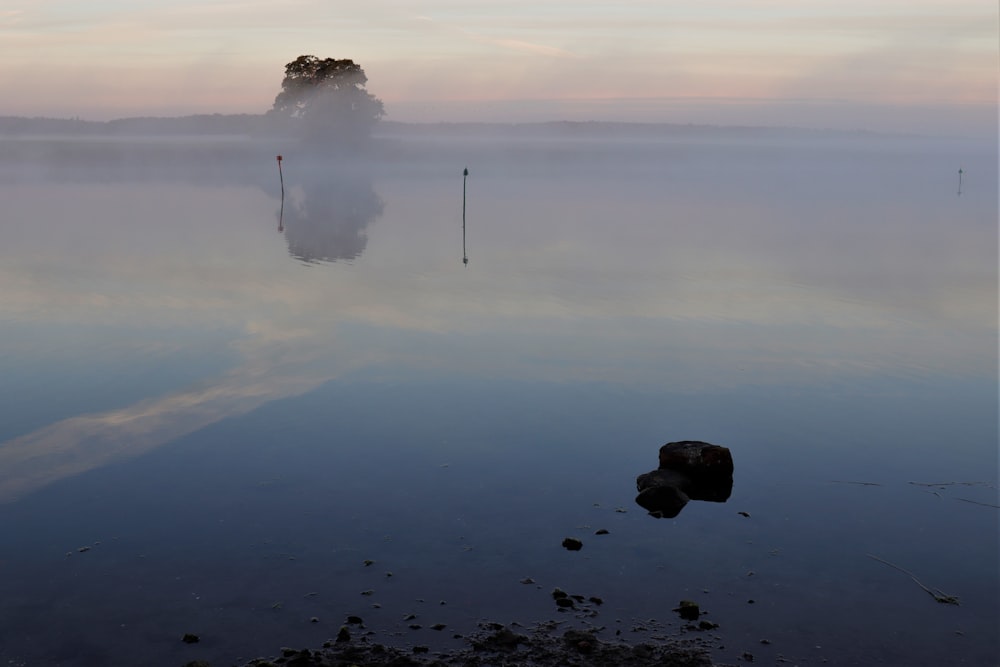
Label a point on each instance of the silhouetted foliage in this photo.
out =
(327, 101)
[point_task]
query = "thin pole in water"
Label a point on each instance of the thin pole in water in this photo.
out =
(281, 176)
(960, 172)
(281, 213)
(465, 256)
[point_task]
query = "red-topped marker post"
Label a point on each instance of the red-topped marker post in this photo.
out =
(281, 176)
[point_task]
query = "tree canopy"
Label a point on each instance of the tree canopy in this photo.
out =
(328, 99)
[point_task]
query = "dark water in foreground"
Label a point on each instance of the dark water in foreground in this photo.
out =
(233, 420)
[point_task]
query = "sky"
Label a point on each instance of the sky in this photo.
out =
(858, 64)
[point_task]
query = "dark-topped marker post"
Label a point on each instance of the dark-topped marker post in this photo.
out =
(465, 256)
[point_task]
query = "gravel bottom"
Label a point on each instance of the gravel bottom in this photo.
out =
(496, 645)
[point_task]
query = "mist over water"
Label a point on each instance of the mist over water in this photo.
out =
(233, 398)
(968, 120)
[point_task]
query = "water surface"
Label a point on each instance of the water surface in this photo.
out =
(233, 401)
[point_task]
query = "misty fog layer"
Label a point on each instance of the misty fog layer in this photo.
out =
(191, 322)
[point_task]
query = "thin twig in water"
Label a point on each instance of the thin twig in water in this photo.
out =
(976, 502)
(841, 481)
(936, 593)
(952, 484)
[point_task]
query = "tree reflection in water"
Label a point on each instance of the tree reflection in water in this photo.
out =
(326, 220)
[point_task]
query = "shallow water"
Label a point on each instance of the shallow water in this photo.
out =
(234, 418)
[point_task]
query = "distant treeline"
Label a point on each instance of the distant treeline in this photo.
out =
(263, 125)
(248, 124)
(568, 129)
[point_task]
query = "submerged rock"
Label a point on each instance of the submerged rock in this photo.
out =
(660, 498)
(689, 470)
(500, 640)
(688, 610)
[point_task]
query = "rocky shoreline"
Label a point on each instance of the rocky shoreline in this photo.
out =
(497, 645)
(688, 470)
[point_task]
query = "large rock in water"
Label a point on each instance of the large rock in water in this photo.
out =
(689, 470)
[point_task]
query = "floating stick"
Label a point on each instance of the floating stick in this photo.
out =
(936, 593)
(844, 481)
(986, 484)
(976, 502)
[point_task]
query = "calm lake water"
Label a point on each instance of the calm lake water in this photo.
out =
(209, 423)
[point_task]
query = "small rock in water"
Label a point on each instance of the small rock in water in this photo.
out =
(189, 638)
(572, 544)
(601, 531)
(343, 635)
(688, 470)
(688, 610)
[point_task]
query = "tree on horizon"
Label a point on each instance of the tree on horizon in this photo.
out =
(327, 101)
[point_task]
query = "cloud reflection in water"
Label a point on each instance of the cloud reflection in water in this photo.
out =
(712, 280)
